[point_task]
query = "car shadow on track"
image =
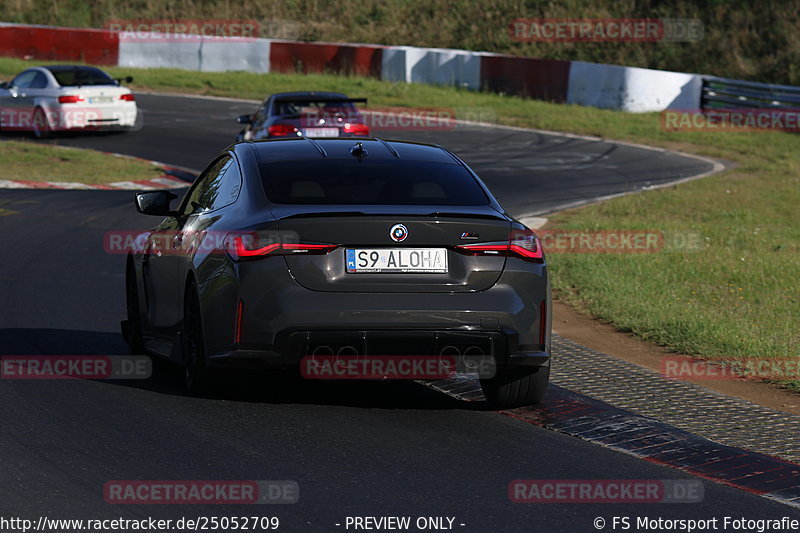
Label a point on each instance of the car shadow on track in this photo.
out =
(278, 387)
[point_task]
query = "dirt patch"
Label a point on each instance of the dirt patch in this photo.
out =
(585, 330)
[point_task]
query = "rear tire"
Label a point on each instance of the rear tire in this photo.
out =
(41, 128)
(516, 387)
(196, 379)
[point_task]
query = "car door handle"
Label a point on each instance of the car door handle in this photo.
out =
(177, 241)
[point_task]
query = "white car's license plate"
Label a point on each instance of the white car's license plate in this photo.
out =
(101, 99)
(321, 132)
(422, 260)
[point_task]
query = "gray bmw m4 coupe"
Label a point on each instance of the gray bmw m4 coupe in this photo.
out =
(293, 248)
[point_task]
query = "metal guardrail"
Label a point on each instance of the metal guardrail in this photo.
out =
(722, 93)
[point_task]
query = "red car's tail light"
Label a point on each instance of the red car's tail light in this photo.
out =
(248, 246)
(70, 99)
(281, 130)
(127, 97)
(356, 129)
(521, 243)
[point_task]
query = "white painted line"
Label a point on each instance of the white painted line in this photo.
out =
(171, 183)
(129, 185)
(69, 185)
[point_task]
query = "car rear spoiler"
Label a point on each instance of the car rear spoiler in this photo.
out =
(320, 99)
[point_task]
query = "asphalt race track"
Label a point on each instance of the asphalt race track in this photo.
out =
(355, 449)
(528, 172)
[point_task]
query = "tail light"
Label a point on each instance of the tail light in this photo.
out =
(281, 130)
(127, 97)
(243, 247)
(356, 129)
(70, 99)
(521, 243)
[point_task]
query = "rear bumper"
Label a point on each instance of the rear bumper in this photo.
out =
(262, 318)
(291, 347)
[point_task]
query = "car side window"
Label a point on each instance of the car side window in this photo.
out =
(230, 183)
(212, 190)
(39, 81)
(23, 81)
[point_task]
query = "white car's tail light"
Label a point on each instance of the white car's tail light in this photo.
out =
(70, 99)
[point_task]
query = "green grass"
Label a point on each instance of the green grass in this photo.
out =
(41, 162)
(738, 296)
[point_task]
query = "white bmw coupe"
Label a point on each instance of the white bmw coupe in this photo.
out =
(50, 99)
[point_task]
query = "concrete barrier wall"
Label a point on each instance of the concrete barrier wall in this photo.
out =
(99, 47)
(209, 55)
(632, 89)
(589, 84)
(434, 66)
(220, 56)
(159, 55)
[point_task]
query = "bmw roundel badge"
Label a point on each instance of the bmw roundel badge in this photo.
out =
(398, 233)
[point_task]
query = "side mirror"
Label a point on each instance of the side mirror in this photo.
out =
(4, 85)
(155, 203)
(128, 79)
(244, 119)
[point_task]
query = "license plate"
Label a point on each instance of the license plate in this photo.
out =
(417, 260)
(321, 132)
(101, 99)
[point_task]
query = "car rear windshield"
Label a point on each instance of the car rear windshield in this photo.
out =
(72, 77)
(301, 106)
(378, 182)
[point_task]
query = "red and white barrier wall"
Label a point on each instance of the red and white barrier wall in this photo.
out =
(575, 82)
